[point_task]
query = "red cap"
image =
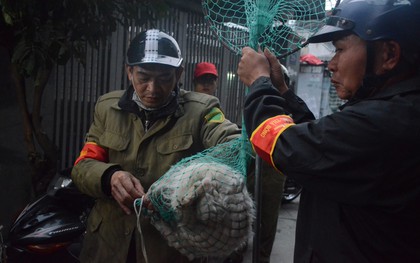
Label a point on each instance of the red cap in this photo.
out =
(310, 59)
(205, 68)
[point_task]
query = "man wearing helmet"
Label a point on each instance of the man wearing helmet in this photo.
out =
(136, 136)
(359, 167)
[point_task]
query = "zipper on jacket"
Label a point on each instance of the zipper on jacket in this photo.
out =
(146, 125)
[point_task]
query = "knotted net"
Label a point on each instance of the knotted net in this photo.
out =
(281, 25)
(201, 205)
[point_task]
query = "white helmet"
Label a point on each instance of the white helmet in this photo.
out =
(154, 46)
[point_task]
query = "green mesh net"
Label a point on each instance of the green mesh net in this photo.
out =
(281, 25)
(201, 205)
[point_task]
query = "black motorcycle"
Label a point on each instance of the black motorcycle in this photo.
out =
(50, 229)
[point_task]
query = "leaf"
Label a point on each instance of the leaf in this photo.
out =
(8, 19)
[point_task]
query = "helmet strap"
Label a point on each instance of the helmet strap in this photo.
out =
(370, 58)
(369, 78)
(371, 81)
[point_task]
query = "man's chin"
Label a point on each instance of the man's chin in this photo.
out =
(152, 103)
(343, 94)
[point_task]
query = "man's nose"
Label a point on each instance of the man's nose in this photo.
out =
(152, 85)
(332, 66)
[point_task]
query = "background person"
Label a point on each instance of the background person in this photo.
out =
(272, 184)
(359, 167)
(205, 78)
(136, 136)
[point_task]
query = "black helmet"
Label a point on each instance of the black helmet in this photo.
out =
(154, 46)
(371, 20)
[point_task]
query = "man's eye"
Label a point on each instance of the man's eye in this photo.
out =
(337, 50)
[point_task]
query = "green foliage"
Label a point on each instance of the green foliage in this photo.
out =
(49, 32)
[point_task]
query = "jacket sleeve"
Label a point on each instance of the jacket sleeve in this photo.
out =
(91, 166)
(297, 107)
(267, 114)
(264, 101)
(330, 154)
(215, 128)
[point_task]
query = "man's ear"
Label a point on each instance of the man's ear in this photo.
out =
(129, 71)
(391, 55)
(178, 72)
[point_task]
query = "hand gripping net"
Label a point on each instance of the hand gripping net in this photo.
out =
(202, 206)
(281, 25)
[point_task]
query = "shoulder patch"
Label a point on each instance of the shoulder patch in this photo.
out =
(215, 115)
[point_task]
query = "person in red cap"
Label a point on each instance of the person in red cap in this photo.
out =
(205, 78)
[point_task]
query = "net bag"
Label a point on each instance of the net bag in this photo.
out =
(201, 205)
(283, 26)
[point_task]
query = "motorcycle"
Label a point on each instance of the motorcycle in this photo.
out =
(51, 228)
(291, 190)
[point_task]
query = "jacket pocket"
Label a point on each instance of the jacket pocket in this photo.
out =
(114, 141)
(94, 221)
(175, 144)
(96, 244)
(91, 237)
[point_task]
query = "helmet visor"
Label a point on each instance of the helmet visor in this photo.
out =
(335, 28)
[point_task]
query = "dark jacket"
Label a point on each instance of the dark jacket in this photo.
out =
(360, 170)
(196, 124)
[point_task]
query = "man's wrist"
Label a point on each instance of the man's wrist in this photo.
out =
(263, 80)
(106, 179)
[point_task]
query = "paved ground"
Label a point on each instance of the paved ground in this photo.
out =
(285, 238)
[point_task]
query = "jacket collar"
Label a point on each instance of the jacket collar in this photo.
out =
(406, 86)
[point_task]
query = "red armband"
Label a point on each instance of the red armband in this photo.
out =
(92, 151)
(265, 136)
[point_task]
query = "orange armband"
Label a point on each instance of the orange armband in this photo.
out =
(265, 136)
(92, 151)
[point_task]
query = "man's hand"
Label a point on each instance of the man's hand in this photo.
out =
(125, 188)
(252, 66)
(276, 73)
